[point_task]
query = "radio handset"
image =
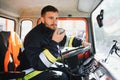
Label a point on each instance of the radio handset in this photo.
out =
(60, 30)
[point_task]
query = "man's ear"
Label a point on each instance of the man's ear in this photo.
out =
(42, 19)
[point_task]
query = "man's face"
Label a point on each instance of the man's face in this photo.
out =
(50, 19)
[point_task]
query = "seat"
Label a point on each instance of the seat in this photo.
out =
(10, 46)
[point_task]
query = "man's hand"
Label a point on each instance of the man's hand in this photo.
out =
(84, 44)
(58, 37)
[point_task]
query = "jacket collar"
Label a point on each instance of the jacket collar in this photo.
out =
(46, 29)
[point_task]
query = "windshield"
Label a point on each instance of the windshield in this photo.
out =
(104, 35)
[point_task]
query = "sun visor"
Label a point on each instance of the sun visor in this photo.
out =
(88, 5)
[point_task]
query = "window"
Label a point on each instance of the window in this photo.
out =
(6, 24)
(74, 27)
(25, 28)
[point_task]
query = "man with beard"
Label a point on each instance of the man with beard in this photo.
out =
(41, 48)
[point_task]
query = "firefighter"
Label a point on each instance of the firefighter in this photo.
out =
(41, 48)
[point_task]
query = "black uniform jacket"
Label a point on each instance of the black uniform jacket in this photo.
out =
(36, 42)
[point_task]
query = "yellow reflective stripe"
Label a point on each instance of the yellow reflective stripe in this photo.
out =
(20, 79)
(59, 58)
(31, 75)
(49, 56)
(70, 42)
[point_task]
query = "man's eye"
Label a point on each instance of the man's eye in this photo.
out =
(56, 18)
(50, 17)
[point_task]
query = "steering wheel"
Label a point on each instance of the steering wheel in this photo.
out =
(73, 52)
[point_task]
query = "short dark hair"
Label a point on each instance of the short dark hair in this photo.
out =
(47, 9)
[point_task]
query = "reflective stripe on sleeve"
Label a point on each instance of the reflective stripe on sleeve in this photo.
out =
(49, 56)
(43, 58)
(69, 41)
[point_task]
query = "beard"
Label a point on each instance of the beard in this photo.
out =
(51, 26)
